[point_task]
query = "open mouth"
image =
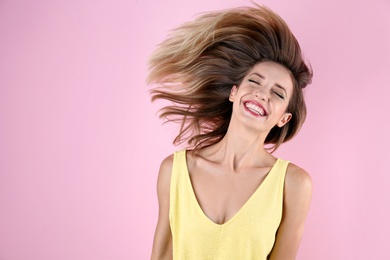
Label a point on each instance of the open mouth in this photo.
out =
(255, 108)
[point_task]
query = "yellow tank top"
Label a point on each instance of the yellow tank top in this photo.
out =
(249, 234)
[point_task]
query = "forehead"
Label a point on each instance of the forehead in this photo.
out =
(274, 73)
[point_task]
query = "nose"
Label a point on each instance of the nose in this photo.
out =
(261, 94)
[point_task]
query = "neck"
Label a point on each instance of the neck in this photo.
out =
(241, 148)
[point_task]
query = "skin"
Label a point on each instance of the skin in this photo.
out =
(226, 174)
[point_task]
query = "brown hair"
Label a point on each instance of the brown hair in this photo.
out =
(197, 65)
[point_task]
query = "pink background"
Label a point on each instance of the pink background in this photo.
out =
(80, 143)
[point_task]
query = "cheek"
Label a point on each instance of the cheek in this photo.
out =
(289, 102)
(287, 107)
(283, 105)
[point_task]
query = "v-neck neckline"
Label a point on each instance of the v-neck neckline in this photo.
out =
(202, 213)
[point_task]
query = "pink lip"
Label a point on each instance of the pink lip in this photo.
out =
(257, 104)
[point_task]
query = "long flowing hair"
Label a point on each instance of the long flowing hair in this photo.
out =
(197, 65)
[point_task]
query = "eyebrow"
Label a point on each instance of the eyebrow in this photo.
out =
(276, 85)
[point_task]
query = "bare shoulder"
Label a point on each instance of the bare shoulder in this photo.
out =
(164, 176)
(162, 243)
(296, 203)
(298, 181)
(166, 165)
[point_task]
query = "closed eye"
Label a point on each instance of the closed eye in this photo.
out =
(279, 95)
(254, 81)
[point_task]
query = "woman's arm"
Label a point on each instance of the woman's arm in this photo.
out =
(162, 244)
(297, 196)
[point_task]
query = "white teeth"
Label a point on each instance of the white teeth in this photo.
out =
(255, 108)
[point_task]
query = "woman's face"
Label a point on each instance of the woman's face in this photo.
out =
(263, 96)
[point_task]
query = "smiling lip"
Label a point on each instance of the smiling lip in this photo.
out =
(255, 108)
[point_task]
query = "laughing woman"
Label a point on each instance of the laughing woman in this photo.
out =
(235, 79)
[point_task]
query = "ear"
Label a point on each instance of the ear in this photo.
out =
(233, 92)
(284, 120)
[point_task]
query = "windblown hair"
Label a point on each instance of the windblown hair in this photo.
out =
(198, 64)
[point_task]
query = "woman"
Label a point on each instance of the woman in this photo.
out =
(235, 79)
